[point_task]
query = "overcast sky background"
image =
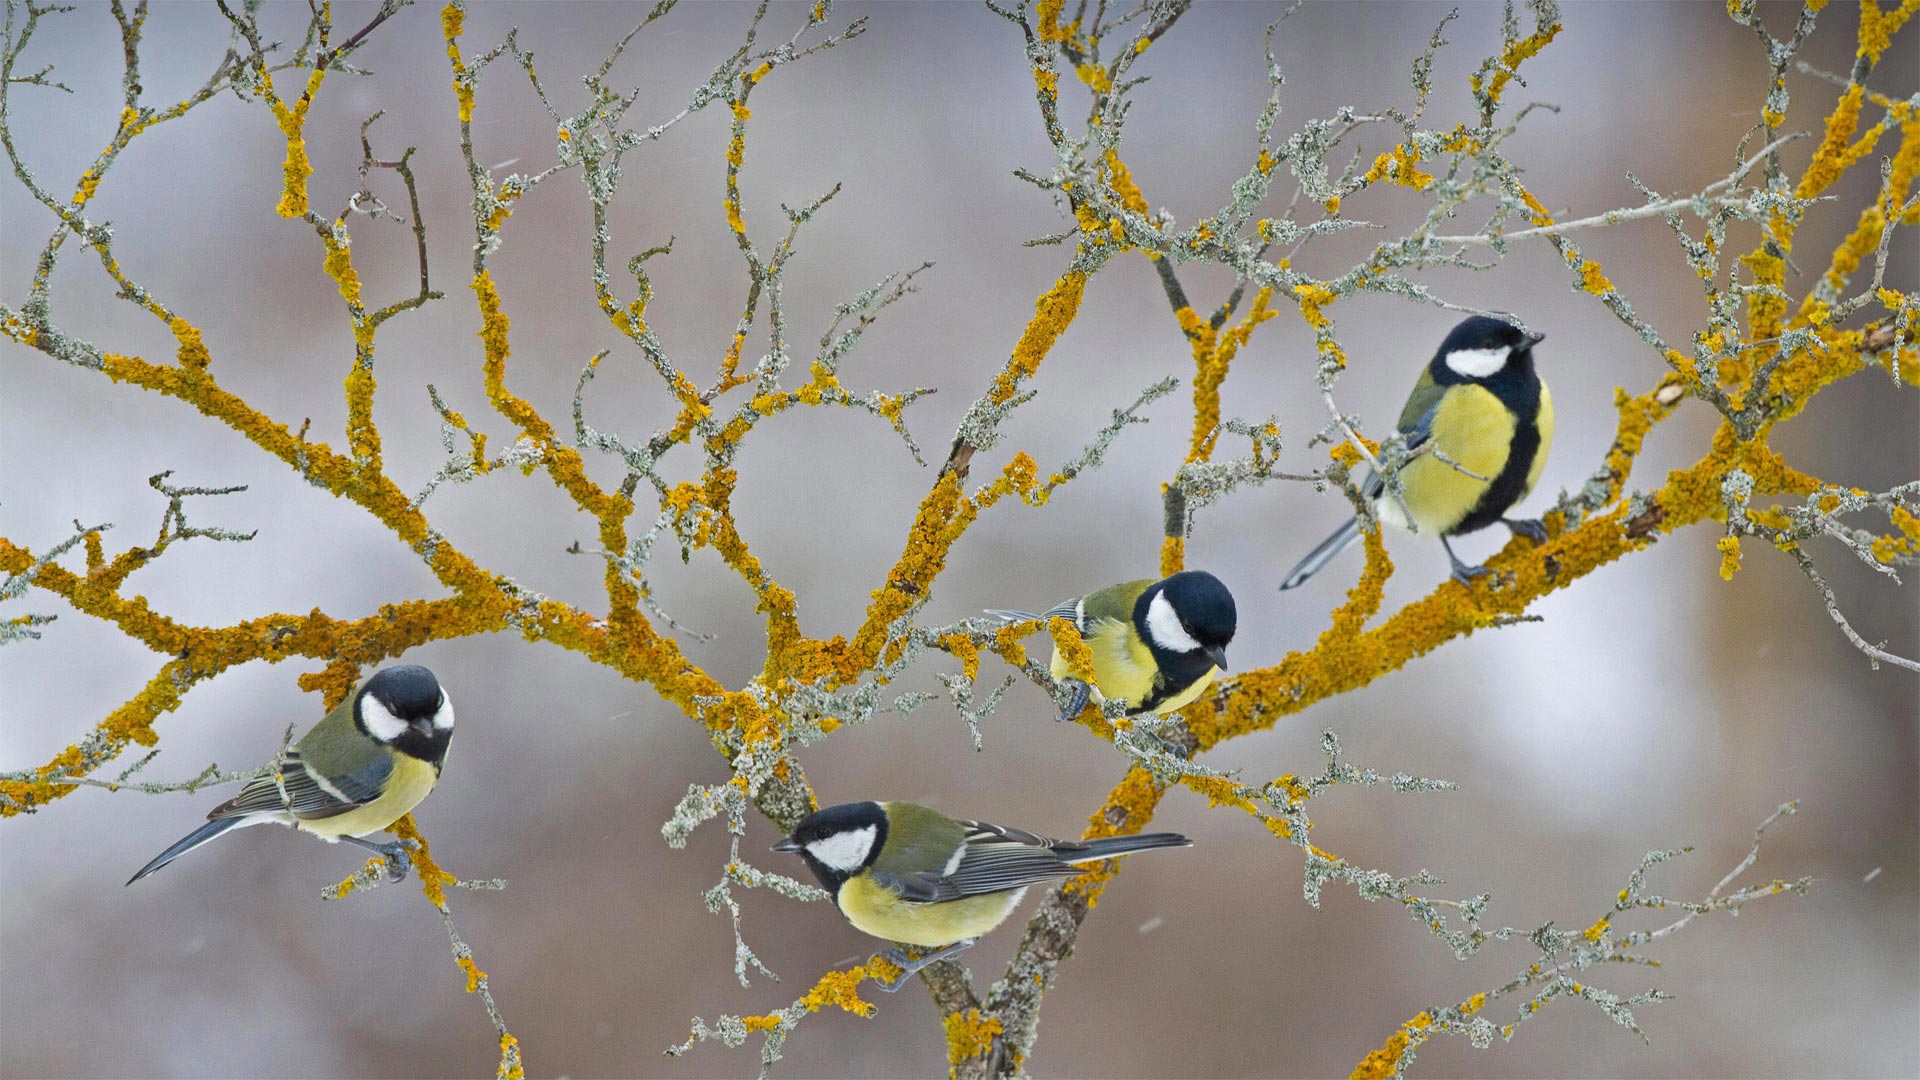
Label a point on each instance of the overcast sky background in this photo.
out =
(1656, 705)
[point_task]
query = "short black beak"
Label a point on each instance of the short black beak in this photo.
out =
(424, 726)
(786, 845)
(1534, 337)
(1217, 654)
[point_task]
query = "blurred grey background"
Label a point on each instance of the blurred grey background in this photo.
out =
(1656, 706)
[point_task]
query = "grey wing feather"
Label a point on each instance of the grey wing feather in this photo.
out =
(1417, 434)
(306, 795)
(1065, 609)
(996, 859)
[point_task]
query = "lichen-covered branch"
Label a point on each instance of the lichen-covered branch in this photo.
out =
(1766, 351)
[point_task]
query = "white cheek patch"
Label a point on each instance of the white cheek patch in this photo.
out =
(443, 716)
(1478, 363)
(380, 723)
(1165, 627)
(844, 851)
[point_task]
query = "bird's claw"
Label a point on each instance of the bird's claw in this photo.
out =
(1531, 528)
(909, 967)
(1078, 694)
(1466, 575)
(399, 856)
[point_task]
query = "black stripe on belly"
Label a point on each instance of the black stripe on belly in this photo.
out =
(1509, 485)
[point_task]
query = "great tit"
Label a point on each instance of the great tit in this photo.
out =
(365, 765)
(1156, 644)
(911, 874)
(1481, 405)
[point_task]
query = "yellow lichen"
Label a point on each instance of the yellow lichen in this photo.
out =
(964, 650)
(1592, 280)
(1068, 642)
(1877, 27)
(1511, 58)
(193, 353)
(1729, 556)
(292, 119)
(969, 1035)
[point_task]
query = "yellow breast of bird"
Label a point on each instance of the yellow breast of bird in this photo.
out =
(875, 909)
(1474, 429)
(1184, 697)
(1123, 666)
(410, 782)
(1544, 421)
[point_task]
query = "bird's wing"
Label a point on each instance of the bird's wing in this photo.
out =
(1416, 423)
(991, 859)
(308, 795)
(1417, 415)
(1114, 602)
(1065, 609)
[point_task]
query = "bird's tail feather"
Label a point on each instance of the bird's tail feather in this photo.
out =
(1113, 846)
(1009, 616)
(192, 840)
(1342, 538)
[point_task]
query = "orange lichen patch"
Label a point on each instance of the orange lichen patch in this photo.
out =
(1888, 548)
(1006, 642)
(839, 989)
(474, 974)
(1211, 360)
(562, 462)
(969, 1035)
(89, 183)
(962, 647)
(1540, 215)
(453, 20)
(502, 209)
(1048, 82)
(1068, 642)
(17, 329)
(1592, 280)
(131, 722)
(1865, 237)
(1834, 154)
(1384, 1062)
(1127, 810)
(1221, 791)
(1877, 27)
(1047, 14)
(352, 882)
(292, 118)
(510, 1067)
(1123, 184)
(433, 880)
(1173, 555)
(1598, 930)
(1729, 556)
(193, 353)
(1400, 166)
(1313, 297)
(1511, 58)
(1638, 415)
(1053, 312)
(1363, 600)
